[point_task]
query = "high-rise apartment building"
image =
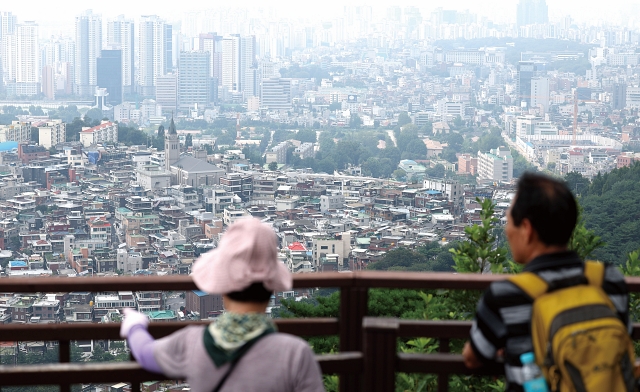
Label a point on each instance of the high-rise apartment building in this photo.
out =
(247, 61)
(526, 71)
(88, 48)
(110, 75)
(540, 93)
(167, 92)
(8, 23)
(276, 94)
(532, 12)
(120, 35)
(252, 81)
(238, 58)
(48, 82)
(155, 52)
(21, 63)
(619, 96)
(231, 75)
(56, 58)
(193, 79)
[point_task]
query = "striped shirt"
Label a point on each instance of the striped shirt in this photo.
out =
(503, 316)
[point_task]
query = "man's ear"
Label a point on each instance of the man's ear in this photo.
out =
(528, 232)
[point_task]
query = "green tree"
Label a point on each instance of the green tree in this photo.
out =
(335, 106)
(158, 141)
(306, 136)
(437, 171)
(355, 121)
(93, 116)
(480, 253)
(576, 181)
(399, 174)
(583, 240)
(273, 166)
(403, 119)
(188, 141)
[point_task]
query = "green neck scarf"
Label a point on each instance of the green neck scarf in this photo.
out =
(227, 339)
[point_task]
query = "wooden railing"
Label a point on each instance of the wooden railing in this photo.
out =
(367, 361)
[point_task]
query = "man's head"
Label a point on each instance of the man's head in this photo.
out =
(542, 216)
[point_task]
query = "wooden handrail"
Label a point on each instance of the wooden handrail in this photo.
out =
(49, 374)
(354, 359)
(365, 279)
(29, 332)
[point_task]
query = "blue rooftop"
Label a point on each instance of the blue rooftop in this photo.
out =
(17, 263)
(8, 146)
(200, 293)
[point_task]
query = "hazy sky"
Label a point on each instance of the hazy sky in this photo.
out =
(48, 13)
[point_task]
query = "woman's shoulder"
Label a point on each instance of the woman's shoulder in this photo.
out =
(286, 340)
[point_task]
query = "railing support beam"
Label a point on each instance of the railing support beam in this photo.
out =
(353, 308)
(380, 350)
(64, 356)
(443, 378)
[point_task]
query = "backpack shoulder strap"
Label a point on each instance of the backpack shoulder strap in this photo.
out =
(594, 272)
(530, 283)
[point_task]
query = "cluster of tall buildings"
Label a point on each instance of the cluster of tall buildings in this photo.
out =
(134, 58)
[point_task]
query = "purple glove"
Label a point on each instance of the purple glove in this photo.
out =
(131, 319)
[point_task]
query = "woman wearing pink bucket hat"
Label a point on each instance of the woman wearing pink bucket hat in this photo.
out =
(241, 351)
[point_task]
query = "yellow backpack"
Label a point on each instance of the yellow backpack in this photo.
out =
(579, 342)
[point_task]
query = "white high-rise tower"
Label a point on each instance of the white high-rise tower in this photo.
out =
(120, 35)
(21, 60)
(28, 64)
(88, 49)
(231, 75)
(8, 23)
(155, 52)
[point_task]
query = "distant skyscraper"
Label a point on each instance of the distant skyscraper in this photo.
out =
(252, 82)
(110, 75)
(619, 96)
(540, 93)
(532, 12)
(212, 43)
(88, 48)
(155, 52)
(48, 82)
(22, 72)
(247, 61)
(231, 76)
(526, 71)
(8, 23)
(167, 92)
(193, 79)
(120, 35)
(276, 94)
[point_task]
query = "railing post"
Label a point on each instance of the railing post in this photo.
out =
(353, 308)
(380, 353)
(64, 356)
(443, 378)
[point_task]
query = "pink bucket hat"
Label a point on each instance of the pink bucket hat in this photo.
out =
(246, 254)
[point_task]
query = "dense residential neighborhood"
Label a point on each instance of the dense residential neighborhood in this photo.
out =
(366, 140)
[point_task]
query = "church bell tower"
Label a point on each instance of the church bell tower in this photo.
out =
(171, 147)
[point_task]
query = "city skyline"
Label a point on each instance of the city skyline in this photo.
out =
(499, 11)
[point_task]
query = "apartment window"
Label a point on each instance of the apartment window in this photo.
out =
(324, 247)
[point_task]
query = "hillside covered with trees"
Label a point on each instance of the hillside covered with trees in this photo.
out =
(611, 209)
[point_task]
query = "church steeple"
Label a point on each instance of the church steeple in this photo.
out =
(171, 146)
(172, 127)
